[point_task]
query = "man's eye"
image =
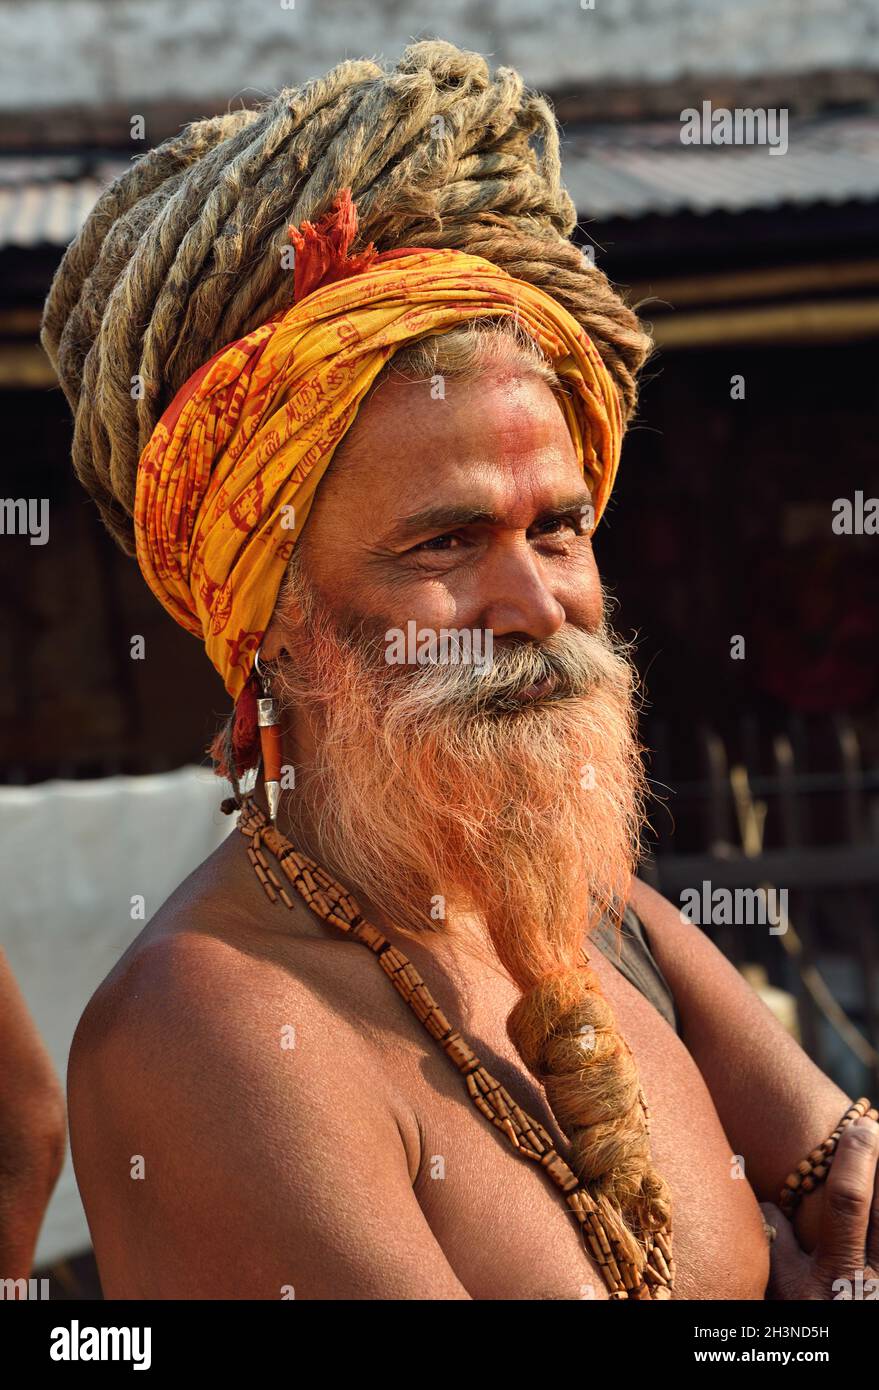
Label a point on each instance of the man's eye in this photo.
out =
(574, 521)
(433, 541)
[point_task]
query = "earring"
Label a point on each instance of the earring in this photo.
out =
(269, 740)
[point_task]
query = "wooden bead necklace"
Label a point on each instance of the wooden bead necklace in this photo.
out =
(529, 1139)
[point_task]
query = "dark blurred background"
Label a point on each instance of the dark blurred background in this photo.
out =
(760, 276)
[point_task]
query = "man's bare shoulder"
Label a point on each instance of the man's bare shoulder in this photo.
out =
(212, 954)
(223, 985)
(233, 1065)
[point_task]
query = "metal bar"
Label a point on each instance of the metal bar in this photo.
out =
(806, 866)
(850, 756)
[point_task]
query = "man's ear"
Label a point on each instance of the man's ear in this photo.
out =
(270, 648)
(287, 615)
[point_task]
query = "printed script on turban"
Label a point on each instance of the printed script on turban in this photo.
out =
(226, 482)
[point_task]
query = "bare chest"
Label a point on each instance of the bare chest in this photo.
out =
(503, 1224)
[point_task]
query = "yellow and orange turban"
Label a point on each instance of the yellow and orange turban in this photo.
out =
(226, 482)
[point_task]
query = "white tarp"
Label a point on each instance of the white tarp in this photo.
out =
(71, 856)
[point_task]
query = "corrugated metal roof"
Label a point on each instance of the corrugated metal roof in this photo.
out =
(633, 170)
(44, 199)
(36, 213)
(627, 170)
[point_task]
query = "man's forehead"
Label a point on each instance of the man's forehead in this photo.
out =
(510, 410)
(493, 445)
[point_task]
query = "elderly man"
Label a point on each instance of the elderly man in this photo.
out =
(435, 870)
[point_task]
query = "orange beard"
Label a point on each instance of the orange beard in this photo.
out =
(435, 796)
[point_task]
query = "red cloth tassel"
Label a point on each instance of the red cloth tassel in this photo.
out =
(245, 736)
(322, 248)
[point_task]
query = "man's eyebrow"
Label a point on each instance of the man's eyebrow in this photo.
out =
(451, 515)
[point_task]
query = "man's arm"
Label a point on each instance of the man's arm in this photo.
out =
(773, 1101)
(33, 1129)
(265, 1167)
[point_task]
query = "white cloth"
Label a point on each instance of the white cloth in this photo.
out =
(72, 854)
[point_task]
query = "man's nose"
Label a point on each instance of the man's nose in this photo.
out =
(515, 595)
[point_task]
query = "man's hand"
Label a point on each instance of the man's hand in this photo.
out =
(845, 1261)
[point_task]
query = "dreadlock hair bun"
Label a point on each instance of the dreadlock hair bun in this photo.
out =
(181, 254)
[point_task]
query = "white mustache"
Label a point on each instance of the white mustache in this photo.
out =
(575, 659)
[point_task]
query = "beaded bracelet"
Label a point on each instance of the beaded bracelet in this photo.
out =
(814, 1169)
